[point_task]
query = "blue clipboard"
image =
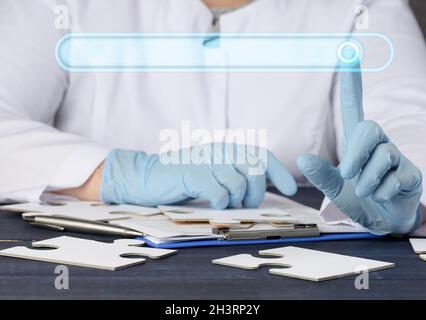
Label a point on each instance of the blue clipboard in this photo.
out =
(216, 243)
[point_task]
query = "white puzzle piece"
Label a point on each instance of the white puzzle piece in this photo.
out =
(200, 213)
(305, 264)
(419, 245)
(94, 211)
(88, 253)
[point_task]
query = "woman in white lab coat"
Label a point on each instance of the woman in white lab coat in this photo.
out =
(56, 128)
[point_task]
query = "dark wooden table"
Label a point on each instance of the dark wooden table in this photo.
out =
(191, 275)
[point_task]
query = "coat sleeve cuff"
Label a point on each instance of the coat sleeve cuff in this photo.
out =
(78, 167)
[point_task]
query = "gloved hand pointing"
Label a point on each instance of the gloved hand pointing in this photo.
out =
(225, 174)
(375, 185)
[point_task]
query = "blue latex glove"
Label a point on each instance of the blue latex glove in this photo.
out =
(375, 185)
(225, 179)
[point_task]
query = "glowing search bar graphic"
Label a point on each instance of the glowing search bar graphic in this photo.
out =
(225, 52)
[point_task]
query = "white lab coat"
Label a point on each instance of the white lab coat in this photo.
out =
(56, 127)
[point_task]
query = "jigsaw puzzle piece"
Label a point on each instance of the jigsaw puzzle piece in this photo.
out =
(226, 217)
(94, 211)
(419, 245)
(305, 264)
(318, 265)
(88, 253)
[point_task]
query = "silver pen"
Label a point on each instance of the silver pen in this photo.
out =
(63, 223)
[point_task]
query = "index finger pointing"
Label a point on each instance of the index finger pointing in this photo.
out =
(351, 99)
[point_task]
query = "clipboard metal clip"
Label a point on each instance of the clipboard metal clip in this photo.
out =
(290, 230)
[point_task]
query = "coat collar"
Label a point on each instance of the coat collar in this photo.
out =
(195, 16)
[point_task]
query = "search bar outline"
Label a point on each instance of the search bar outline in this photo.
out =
(215, 52)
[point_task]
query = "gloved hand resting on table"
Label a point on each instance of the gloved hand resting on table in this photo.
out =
(375, 185)
(224, 174)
